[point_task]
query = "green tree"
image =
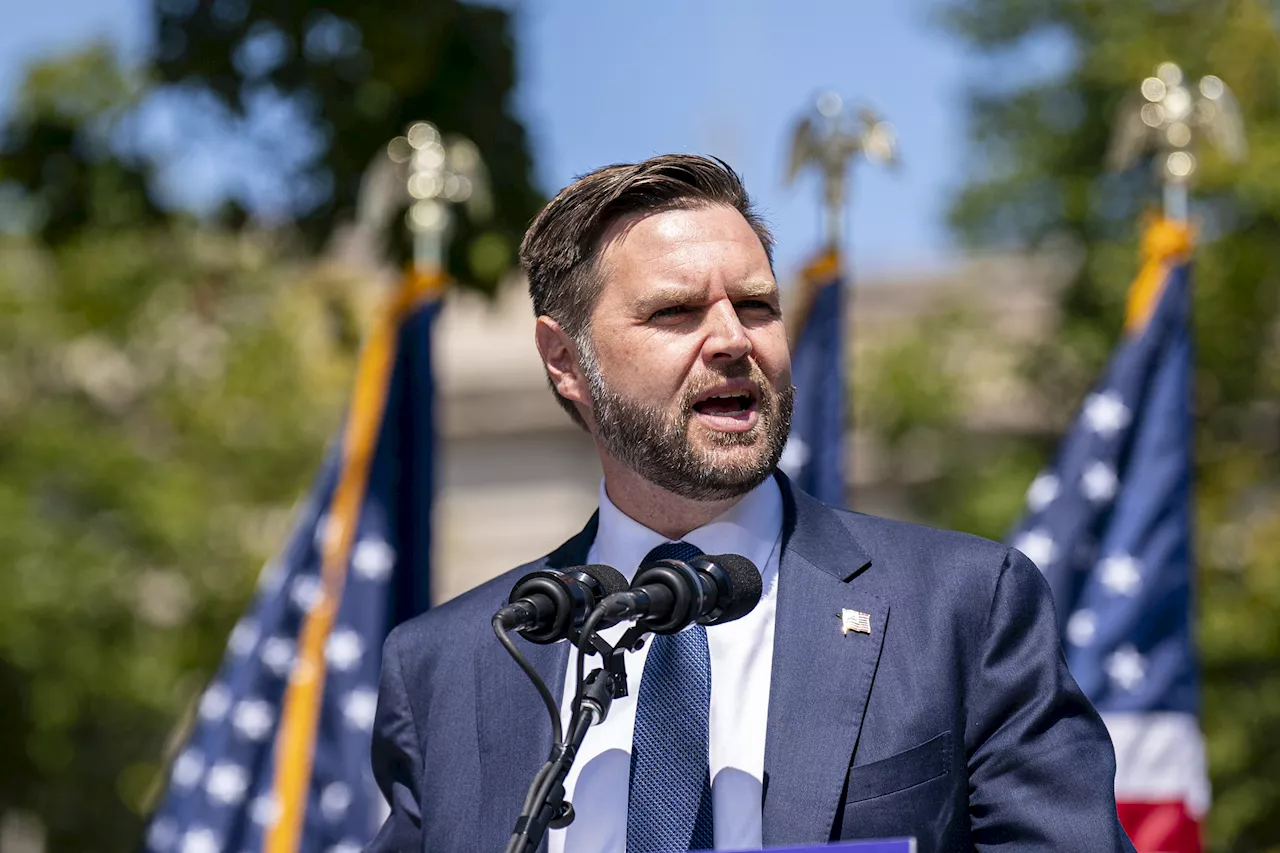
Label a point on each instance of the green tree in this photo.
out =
(1037, 183)
(166, 392)
(359, 71)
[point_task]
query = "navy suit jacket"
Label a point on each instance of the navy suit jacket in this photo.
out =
(954, 721)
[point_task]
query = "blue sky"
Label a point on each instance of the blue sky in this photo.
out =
(609, 81)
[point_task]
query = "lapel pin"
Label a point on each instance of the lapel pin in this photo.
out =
(855, 620)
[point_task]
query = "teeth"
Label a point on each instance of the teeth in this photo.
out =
(728, 396)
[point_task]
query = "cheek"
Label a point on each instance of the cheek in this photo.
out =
(645, 367)
(770, 350)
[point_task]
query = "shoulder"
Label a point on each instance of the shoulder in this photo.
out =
(457, 623)
(953, 569)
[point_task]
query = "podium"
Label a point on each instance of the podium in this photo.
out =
(883, 845)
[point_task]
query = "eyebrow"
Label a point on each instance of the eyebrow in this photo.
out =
(750, 289)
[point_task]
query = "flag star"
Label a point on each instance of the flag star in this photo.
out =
(359, 708)
(188, 768)
(794, 456)
(306, 592)
(271, 577)
(1126, 668)
(1099, 482)
(1121, 574)
(161, 835)
(373, 559)
(277, 654)
(1042, 492)
(227, 783)
(345, 847)
(264, 810)
(1082, 627)
(253, 718)
(344, 649)
(244, 636)
(334, 801)
(200, 840)
(1038, 546)
(326, 532)
(1105, 413)
(215, 703)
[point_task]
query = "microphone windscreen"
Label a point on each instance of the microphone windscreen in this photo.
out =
(609, 578)
(744, 582)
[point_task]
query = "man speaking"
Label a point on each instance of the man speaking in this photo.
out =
(893, 680)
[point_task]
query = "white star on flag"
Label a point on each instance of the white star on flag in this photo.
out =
(334, 801)
(215, 703)
(794, 456)
(244, 636)
(344, 649)
(162, 835)
(264, 810)
(359, 708)
(1105, 413)
(1121, 574)
(345, 847)
(277, 654)
(188, 768)
(200, 839)
(1082, 627)
(1038, 546)
(253, 718)
(227, 783)
(1126, 667)
(306, 592)
(373, 559)
(1099, 482)
(1044, 488)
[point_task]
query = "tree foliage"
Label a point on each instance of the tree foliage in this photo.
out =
(359, 71)
(1037, 183)
(166, 392)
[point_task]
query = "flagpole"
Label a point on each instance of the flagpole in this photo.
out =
(829, 139)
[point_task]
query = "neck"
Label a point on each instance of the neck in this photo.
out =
(656, 508)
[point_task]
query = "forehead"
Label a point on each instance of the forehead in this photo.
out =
(699, 246)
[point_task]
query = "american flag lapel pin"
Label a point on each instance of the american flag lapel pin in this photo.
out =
(855, 620)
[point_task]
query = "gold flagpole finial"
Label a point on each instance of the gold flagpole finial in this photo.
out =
(829, 138)
(1168, 114)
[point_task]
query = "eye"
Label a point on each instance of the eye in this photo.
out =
(669, 311)
(758, 306)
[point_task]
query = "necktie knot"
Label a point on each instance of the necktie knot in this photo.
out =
(673, 551)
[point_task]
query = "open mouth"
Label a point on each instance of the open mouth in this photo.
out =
(730, 410)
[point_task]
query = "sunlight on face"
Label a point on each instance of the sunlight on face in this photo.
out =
(692, 382)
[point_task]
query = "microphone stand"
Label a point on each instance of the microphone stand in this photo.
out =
(544, 805)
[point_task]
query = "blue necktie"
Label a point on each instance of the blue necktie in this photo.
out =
(669, 808)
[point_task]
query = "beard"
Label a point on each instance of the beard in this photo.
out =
(655, 443)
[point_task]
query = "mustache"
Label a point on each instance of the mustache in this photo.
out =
(743, 369)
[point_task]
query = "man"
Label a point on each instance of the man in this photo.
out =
(894, 680)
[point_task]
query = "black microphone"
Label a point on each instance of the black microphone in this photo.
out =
(548, 605)
(668, 595)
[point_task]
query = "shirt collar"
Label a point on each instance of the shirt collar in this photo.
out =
(751, 527)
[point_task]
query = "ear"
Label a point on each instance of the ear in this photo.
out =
(560, 358)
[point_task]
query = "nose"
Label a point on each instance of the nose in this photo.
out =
(726, 338)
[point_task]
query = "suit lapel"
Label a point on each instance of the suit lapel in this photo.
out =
(513, 730)
(821, 676)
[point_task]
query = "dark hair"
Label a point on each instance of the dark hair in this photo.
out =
(560, 249)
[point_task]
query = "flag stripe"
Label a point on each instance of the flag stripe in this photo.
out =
(1159, 758)
(301, 705)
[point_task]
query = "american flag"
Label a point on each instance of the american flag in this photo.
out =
(277, 759)
(814, 455)
(1110, 525)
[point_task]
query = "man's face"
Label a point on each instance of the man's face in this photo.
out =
(692, 382)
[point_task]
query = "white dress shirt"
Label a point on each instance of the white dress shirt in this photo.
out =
(741, 664)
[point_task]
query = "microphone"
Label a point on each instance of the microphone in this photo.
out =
(548, 605)
(668, 595)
